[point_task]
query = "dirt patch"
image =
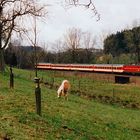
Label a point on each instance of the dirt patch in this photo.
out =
(1, 97)
(4, 137)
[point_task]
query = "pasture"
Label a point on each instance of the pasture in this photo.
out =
(95, 110)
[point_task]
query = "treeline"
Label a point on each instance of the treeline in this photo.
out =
(24, 56)
(78, 47)
(124, 44)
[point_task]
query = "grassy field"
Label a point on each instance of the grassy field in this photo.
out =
(76, 119)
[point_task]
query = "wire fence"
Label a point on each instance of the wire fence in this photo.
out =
(97, 87)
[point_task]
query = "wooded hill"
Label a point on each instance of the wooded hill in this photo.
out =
(125, 42)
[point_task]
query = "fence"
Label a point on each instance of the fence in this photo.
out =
(93, 87)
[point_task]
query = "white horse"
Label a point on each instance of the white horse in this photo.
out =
(63, 89)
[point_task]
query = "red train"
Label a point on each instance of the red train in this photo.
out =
(109, 68)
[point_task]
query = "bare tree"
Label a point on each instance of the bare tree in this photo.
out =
(88, 40)
(58, 48)
(72, 41)
(38, 53)
(72, 38)
(12, 13)
(89, 43)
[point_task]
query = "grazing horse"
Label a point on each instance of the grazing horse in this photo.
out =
(63, 89)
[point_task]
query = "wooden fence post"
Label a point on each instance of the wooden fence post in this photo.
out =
(38, 96)
(79, 85)
(11, 78)
(52, 83)
(113, 93)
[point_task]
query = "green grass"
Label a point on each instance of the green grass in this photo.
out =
(127, 95)
(75, 119)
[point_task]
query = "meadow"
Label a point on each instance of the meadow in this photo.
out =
(87, 115)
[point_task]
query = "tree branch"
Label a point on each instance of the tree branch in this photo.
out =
(89, 5)
(13, 12)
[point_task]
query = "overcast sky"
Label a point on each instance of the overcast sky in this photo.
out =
(116, 15)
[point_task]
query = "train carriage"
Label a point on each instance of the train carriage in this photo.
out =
(106, 68)
(115, 68)
(134, 69)
(82, 67)
(44, 66)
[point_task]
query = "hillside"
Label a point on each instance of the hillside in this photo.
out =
(124, 46)
(76, 119)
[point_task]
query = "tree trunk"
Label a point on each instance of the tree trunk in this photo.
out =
(2, 63)
(138, 56)
(1, 49)
(73, 56)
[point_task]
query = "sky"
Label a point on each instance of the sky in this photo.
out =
(116, 15)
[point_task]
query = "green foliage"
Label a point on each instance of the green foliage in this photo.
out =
(124, 42)
(126, 59)
(104, 59)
